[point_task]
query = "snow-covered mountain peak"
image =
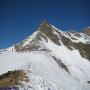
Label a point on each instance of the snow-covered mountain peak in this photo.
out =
(38, 39)
(47, 33)
(51, 59)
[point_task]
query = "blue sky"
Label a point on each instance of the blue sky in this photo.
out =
(20, 18)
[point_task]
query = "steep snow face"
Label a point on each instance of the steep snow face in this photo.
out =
(53, 60)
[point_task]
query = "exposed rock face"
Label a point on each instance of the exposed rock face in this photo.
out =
(60, 63)
(12, 78)
(48, 30)
(83, 48)
(44, 31)
(72, 40)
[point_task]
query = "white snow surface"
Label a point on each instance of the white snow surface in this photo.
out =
(45, 73)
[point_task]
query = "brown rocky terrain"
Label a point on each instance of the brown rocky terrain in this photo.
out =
(12, 78)
(87, 31)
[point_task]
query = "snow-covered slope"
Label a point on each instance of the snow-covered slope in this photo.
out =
(52, 59)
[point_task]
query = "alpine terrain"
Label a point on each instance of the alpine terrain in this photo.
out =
(49, 59)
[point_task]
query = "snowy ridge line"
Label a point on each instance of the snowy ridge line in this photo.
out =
(73, 36)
